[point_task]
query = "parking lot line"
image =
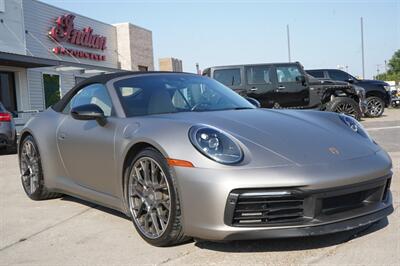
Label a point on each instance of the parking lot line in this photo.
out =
(381, 128)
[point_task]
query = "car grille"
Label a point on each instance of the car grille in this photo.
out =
(332, 205)
(252, 209)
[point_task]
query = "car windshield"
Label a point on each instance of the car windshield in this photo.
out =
(173, 93)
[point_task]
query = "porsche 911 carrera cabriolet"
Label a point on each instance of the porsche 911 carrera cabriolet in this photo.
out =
(186, 157)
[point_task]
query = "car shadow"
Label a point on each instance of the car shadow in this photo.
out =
(4, 151)
(292, 244)
(95, 206)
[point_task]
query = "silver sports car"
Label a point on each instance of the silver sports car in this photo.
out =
(184, 156)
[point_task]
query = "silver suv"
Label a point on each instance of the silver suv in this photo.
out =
(8, 135)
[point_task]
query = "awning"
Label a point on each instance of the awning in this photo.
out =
(26, 61)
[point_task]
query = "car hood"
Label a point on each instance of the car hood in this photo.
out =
(369, 81)
(298, 137)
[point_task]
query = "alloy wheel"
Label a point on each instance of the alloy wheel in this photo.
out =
(149, 197)
(346, 108)
(374, 107)
(30, 167)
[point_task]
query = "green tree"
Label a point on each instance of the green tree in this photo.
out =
(393, 72)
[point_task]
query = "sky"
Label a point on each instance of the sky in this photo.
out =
(323, 34)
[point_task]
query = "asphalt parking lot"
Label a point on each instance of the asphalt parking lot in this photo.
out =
(68, 231)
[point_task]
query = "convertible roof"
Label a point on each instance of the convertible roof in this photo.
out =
(104, 78)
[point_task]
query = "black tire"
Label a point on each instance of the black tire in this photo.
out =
(31, 168)
(173, 233)
(375, 107)
(12, 149)
(346, 106)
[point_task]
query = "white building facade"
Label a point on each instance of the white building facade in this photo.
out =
(45, 51)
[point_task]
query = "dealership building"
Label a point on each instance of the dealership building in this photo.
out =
(45, 51)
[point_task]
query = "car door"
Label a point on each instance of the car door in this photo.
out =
(292, 92)
(86, 148)
(260, 84)
(231, 77)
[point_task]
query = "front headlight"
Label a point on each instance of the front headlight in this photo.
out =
(355, 126)
(387, 88)
(215, 144)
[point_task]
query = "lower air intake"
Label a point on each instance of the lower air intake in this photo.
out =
(257, 209)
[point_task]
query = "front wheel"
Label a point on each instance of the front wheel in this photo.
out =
(344, 105)
(153, 199)
(375, 106)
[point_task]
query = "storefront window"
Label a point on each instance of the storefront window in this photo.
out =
(7, 91)
(51, 87)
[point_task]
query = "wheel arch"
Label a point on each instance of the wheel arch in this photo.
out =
(375, 93)
(130, 153)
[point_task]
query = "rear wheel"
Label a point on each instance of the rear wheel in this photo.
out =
(153, 199)
(375, 106)
(31, 171)
(344, 105)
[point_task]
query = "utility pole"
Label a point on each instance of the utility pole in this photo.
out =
(385, 66)
(198, 69)
(288, 42)
(362, 48)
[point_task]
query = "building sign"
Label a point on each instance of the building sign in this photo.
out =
(64, 31)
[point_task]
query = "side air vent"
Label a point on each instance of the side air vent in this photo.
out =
(264, 208)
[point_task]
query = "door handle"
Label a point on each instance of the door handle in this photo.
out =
(254, 89)
(62, 136)
(280, 88)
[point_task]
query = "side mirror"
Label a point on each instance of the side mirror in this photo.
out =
(350, 80)
(89, 112)
(301, 79)
(253, 102)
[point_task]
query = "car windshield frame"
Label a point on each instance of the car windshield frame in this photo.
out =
(146, 87)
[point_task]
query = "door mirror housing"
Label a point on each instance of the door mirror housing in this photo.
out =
(253, 101)
(301, 79)
(350, 80)
(89, 112)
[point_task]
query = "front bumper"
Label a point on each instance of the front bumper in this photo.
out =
(205, 197)
(321, 229)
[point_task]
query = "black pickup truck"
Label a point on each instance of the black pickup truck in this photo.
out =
(377, 92)
(287, 85)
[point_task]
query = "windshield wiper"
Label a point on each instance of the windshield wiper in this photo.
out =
(235, 108)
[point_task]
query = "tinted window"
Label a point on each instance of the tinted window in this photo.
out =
(258, 75)
(51, 88)
(287, 73)
(158, 94)
(7, 91)
(338, 75)
(92, 94)
(1, 108)
(228, 77)
(316, 73)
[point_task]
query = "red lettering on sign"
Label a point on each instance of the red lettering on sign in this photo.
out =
(65, 31)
